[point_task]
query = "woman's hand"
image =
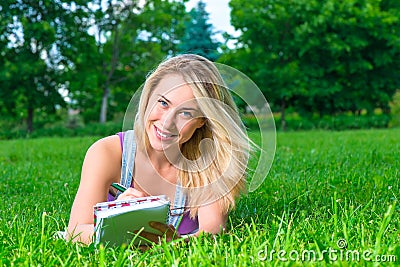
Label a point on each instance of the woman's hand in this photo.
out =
(167, 232)
(131, 193)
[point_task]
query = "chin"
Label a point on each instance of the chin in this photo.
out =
(157, 144)
(156, 147)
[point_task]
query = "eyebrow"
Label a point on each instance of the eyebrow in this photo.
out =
(183, 108)
(166, 99)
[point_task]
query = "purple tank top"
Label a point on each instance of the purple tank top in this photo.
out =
(187, 225)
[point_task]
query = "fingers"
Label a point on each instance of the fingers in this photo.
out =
(155, 238)
(144, 248)
(167, 233)
(131, 193)
(168, 230)
(162, 227)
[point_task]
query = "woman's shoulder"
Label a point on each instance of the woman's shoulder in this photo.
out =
(102, 161)
(109, 145)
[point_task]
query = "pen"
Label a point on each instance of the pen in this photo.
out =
(119, 187)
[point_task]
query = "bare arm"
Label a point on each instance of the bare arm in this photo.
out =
(101, 167)
(212, 219)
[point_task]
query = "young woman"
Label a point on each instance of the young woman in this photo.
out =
(188, 143)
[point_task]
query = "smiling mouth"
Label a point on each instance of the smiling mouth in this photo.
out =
(163, 135)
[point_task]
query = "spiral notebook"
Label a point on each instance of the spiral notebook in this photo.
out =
(116, 221)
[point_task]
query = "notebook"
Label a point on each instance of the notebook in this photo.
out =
(116, 221)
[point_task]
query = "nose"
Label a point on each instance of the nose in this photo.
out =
(168, 120)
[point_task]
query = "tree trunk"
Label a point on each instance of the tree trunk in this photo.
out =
(104, 103)
(283, 118)
(110, 74)
(29, 119)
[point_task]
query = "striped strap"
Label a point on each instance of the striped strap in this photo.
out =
(178, 209)
(128, 158)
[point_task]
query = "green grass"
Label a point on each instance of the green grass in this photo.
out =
(323, 188)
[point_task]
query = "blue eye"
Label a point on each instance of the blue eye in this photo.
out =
(187, 114)
(163, 103)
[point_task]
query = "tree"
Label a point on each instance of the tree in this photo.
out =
(198, 35)
(268, 45)
(32, 64)
(46, 49)
(321, 56)
(352, 56)
(6, 104)
(130, 39)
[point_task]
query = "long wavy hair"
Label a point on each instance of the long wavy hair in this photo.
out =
(216, 156)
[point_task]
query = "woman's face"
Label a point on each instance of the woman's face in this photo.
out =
(172, 114)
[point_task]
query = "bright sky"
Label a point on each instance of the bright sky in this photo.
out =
(219, 12)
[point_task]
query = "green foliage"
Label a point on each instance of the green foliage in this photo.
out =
(47, 50)
(198, 34)
(60, 129)
(335, 123)
(395, 108)
(315, 58)
(323, 186)
(33, 58)
(323, 57)
(127, 45)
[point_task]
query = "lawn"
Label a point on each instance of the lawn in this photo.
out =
(331, 198)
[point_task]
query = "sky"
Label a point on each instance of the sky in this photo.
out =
(219, 12)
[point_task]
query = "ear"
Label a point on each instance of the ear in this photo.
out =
(201, 122)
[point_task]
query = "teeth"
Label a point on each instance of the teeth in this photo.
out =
(162, 134)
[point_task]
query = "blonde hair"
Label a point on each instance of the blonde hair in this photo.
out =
(205, 177)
